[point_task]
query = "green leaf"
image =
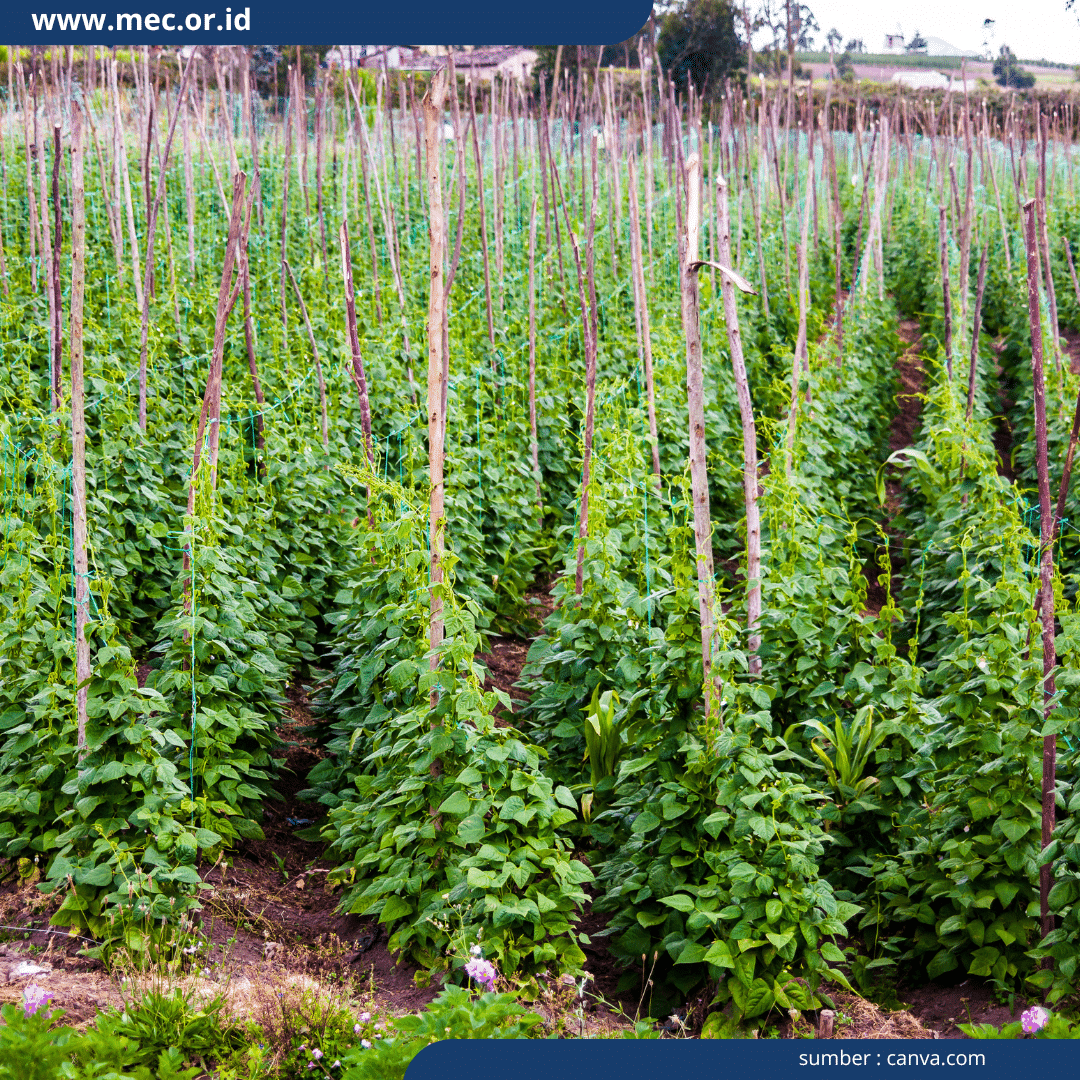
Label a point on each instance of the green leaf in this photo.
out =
(645, 822)
(832, 953)
(396, 907)
(679, 901)
(1014, 829)
(456, 803)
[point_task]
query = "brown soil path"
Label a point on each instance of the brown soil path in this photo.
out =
(902, 429)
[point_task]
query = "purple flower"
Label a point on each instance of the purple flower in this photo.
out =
(481, 971)
(316, 1054)
(365, 1017)
(1035, 1019)
(34, 998)
(365, 1044)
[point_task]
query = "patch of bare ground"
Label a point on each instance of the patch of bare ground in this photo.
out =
(1002, 427)
(969, 1002)
(902, 430)
(858, 1018)
(506, 657)
(1071, 340)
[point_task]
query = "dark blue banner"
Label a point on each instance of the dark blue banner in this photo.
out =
(788, 1059)
(310, 22)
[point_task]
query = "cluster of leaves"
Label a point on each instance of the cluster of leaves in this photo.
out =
(960, 886)
(437, 813)
(160, 1037)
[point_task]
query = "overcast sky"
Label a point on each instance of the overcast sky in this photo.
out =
(1032, 28)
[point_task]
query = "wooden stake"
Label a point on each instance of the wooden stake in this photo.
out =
(433, 119)
(57, 299)
(1046, 577)
(357, 371)
(945, 298)
(750, 455)
(534, 445)
(641, 313)
(976, 328)
(78, 424)
(695, 400)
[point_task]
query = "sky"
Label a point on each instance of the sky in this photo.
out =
(1033, 29)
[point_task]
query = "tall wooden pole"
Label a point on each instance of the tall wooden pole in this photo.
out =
(78, 422)
(641, 311)
(433, 120)
(1046, 565)
(750, 454)
(695, 400)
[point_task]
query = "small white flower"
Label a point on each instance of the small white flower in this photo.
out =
(365, 1044)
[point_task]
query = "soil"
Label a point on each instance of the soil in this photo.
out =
(912, 377)
(1002, 427)
(942, 1006)
(905, 423)
(1070, 339)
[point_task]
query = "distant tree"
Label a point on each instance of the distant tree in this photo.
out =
(988, 26)
(698, 43)
(855, 45)
(917, 44)
(1008, 72)
(833, 38)
(845, 70)
(792, 25)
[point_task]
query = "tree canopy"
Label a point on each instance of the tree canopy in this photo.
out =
(698, 43)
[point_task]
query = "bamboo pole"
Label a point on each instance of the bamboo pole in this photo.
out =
(749, 432)
(362, 132)
(641, 313)
(78, 425)
(57, 299)
(483, 219)
(976, 328)
(946, 301)
(695, 399)
(1046, 563)
(534, 445)
(433, 118)
(253, 366)
(359, 376)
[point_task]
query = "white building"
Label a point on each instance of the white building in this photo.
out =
(932, 80)
(894, 44)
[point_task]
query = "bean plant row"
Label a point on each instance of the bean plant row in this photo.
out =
(327, 393)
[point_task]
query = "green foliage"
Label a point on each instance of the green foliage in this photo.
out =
(448, 813)
(698, 43)
(452, 1015)
(1056, 1027)
(39, 1047)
